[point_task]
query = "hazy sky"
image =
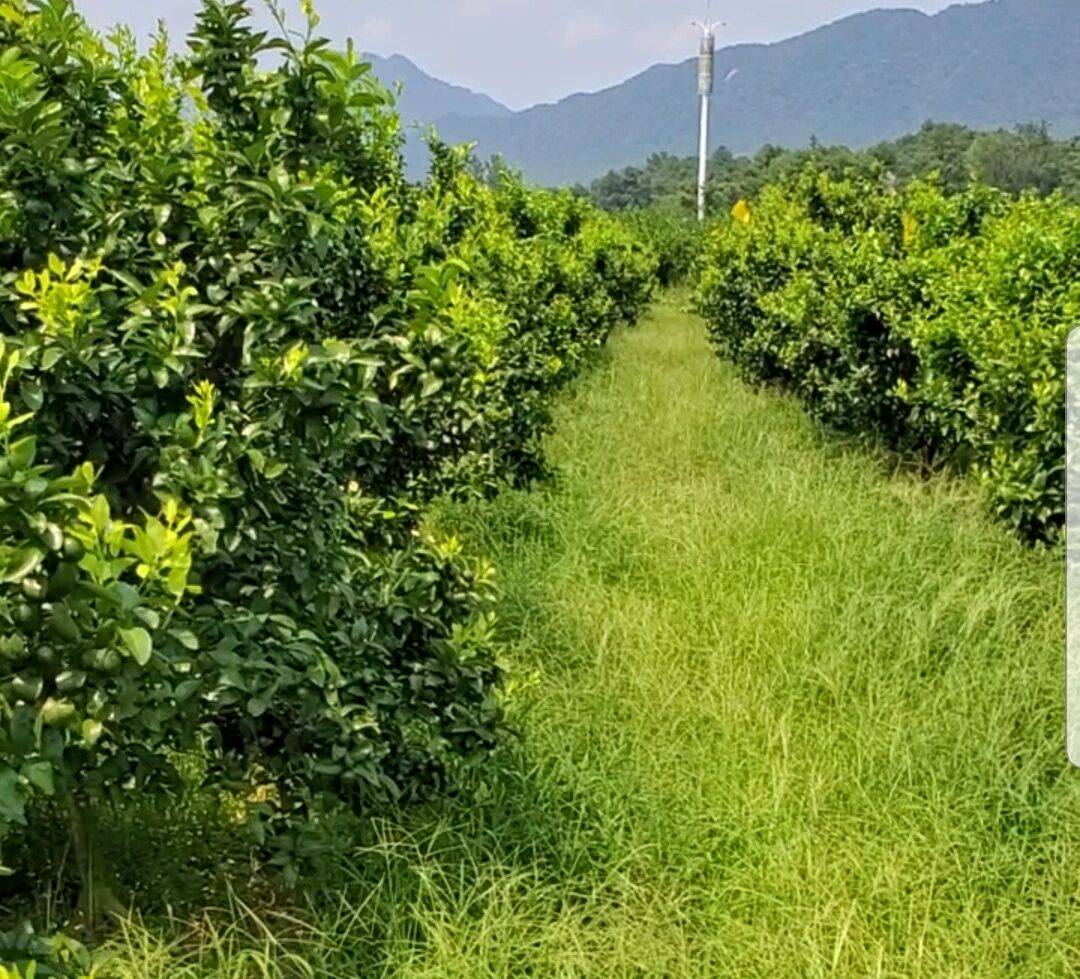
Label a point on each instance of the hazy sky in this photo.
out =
(527, 51)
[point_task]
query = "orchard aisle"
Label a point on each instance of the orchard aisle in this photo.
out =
(783, 715)
(788, 714)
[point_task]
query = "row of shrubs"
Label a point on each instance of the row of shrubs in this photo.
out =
(935, 323)
(239, 356)
(676, 239)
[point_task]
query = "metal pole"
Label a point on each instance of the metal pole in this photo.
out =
(706, 60)
(703, 158)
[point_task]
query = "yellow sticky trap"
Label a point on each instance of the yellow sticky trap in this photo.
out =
(911, 228)
(741, 212)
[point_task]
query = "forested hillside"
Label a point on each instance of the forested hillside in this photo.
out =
(1026, 158)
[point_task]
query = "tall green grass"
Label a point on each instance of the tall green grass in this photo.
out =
(784, 712)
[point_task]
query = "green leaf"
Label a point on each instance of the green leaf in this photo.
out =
(53, 537)
(91, 730)
(70, 680)
(40, 774)
(33, 397)
(186, 638)
(23, 563)
(28, 686)
(55, 713)
(150, 617)
(23, 452)
(138, 643)
(99, 514)
(129, 596)
(62, 625)
(12, 803)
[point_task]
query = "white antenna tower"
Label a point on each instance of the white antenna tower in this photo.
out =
(706, 59)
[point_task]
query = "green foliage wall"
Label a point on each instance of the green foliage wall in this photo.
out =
(935, 322)
(239, 354)
(675, 239)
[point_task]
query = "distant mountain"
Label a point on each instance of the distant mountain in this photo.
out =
(866, 78)
(425, 99)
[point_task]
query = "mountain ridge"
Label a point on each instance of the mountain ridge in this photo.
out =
(433, 96)
(864, 78)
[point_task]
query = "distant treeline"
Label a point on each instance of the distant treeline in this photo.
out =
(1027, 158)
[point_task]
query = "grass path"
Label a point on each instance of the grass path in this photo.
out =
(814, 711)
(784, 714)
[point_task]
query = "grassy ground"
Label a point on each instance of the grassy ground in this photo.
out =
(784, 714)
